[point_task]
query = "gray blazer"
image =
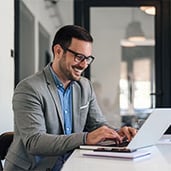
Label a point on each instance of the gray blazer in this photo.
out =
(38, 121)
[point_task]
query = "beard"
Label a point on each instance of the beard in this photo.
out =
(70, 72)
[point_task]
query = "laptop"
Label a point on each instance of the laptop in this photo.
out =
(148, 135)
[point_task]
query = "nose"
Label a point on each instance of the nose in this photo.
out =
(83, 63)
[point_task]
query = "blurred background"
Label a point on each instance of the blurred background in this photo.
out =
(131, 72)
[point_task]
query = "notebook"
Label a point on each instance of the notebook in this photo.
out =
(148, 135)
(124, 155)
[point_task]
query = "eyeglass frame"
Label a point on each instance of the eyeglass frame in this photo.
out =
(78, 56)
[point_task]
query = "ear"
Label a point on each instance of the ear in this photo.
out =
(58, 51)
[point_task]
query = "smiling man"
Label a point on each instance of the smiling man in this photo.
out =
(55, 110)
(70, 62)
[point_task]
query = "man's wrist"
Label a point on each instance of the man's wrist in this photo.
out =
(85, 137)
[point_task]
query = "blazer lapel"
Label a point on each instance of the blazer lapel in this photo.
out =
(56, 99)
(76, 108)
(53, 92)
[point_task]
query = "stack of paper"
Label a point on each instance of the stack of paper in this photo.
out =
(111, 154)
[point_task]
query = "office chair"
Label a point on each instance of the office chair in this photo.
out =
(5, 141)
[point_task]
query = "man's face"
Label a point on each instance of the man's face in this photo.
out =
(69, 68)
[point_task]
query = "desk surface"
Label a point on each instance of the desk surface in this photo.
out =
(160, 159)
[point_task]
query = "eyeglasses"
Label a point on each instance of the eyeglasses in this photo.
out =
(80, 57)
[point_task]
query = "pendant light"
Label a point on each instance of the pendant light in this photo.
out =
(134, 30)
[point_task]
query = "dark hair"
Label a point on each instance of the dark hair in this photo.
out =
(65, 34)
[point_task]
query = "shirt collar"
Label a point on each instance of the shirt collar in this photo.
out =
(57, 80)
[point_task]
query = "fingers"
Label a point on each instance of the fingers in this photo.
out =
(102, 134)
(127, 132)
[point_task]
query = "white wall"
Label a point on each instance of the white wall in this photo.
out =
(52, 17)
(44, 15)
(7, 64)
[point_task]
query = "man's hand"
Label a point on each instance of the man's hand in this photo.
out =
(127, 132)
(102, 134)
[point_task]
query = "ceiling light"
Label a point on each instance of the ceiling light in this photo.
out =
(134, 31)
(148, 10)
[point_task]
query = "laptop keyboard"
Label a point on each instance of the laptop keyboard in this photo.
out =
(113, 144)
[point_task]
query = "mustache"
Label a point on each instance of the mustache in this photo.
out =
(79, 67)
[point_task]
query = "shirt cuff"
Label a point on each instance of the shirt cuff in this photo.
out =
(85, 137)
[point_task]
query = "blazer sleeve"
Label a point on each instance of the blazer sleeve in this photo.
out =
(30, 118)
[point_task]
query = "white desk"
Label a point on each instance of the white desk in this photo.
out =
(159, 160)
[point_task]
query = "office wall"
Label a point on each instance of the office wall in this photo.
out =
(7, 64)
(50, 18)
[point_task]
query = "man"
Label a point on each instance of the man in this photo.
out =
(56, 110)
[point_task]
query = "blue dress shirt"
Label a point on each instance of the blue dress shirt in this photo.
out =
(65, 96)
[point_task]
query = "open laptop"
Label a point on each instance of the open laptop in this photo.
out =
(149, 133)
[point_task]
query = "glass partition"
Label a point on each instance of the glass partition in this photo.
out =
(123, 71)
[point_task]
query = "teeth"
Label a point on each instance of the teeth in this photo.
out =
(77, 70)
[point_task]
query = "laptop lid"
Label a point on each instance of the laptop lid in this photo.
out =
(149, 134)
(152, 129)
